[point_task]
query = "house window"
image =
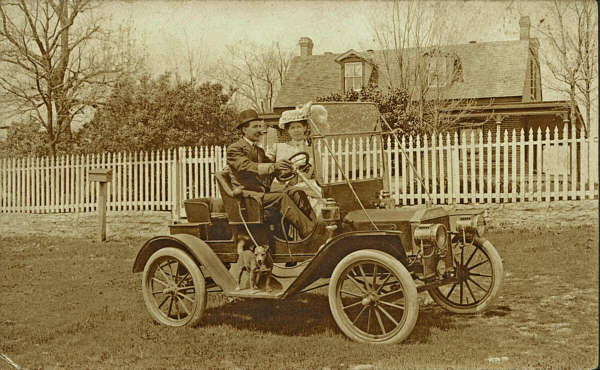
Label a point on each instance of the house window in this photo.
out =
(353, 76)
(532, 79)
(457, 73)
(443, 69)
(437, 70)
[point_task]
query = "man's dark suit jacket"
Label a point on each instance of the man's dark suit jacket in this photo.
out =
(243, 159)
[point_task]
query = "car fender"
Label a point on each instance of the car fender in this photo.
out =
(332, 252)
(197, 248)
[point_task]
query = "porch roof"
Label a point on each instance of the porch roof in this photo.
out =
(559, 108)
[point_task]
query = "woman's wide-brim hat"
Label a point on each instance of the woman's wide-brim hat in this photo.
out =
(300, 114)
(317, 113)
(246, 116)
(290, 116)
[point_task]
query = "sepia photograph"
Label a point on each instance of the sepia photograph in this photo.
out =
(393, 184)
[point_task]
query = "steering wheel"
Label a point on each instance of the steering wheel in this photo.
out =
(299, 160)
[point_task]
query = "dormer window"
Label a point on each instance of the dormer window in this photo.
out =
(457, 73)
(437, 71)
(443, 69)
(353, 76)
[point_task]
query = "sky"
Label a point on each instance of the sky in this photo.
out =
(168, 27)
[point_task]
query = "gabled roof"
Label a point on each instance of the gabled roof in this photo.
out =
(490, 70)
(307, 78)
(353, 53)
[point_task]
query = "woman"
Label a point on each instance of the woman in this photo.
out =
(295, 123)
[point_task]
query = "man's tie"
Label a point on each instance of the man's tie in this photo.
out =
(256, 151)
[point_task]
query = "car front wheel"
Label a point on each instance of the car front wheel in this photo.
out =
(174, 288)
(373, 297)
(479, 274)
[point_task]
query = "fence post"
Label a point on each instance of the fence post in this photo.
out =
(419, 171)
(557, 173)
(3, 191)
(505, 163)
(481, 168)
(513, 168)
(101, 176)
(497, 158)
(463, 196)
(540, 165)
(178, 183)
(565, 178)
(404, 171)
(547, 178)
(473, 172)
(411, 171)
(442, 177)
(593, 165)
(455, 177)
(425, 169)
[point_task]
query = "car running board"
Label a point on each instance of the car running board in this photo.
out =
(255, 293)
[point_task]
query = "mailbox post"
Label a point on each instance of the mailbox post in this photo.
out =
(101, 176)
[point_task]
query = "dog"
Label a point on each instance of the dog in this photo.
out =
(264, 263)
(248, 261)
(257, 263)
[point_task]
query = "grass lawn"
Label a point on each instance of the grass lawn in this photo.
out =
(74, 303)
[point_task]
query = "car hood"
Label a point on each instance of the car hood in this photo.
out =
(403, 214)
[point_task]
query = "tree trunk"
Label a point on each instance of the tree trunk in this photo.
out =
(52, 148)
(588, 106)
(573, 107)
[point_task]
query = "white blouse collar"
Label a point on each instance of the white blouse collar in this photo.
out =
(297, 143)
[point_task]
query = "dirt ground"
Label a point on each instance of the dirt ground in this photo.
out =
(71, 302)
(514, 216)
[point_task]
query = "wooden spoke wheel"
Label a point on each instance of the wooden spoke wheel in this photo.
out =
(174, 288)
(479, 273)
(373, 298)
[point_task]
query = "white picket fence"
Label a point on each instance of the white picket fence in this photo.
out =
(506, 167)
(497, 168)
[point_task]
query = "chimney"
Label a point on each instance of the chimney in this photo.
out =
(525, 26)
(306, 46)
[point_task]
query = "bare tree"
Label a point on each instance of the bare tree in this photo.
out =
(57, 60)
(254, 73)
(192, 65)
(412, 37)
(587, 51)
(569, 31)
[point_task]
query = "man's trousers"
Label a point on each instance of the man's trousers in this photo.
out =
(293, 205)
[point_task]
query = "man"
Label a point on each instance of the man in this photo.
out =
(252, 170)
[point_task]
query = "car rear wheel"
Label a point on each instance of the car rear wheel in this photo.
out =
(373, 297)
(479, 273)
(174, 288)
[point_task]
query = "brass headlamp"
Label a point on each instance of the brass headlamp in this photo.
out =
(433, 242)
(434, 234)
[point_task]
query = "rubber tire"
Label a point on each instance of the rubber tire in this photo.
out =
(405, 279)
(497, 281)
(199, 284)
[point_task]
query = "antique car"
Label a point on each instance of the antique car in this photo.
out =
(373, 257)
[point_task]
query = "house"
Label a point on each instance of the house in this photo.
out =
(494, 85)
